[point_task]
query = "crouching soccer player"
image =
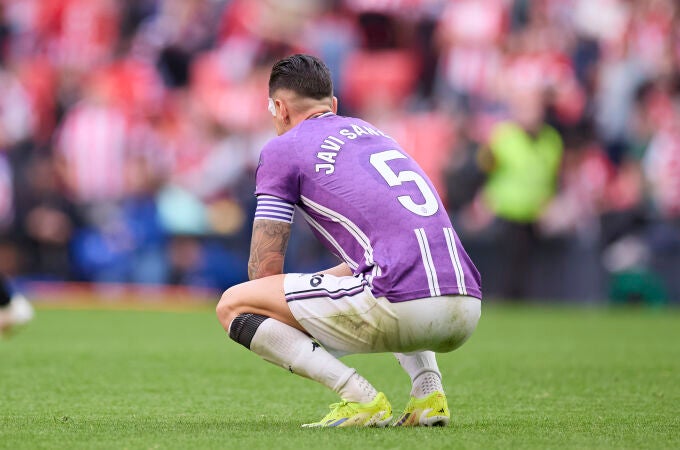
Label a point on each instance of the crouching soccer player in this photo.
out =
(406, 285)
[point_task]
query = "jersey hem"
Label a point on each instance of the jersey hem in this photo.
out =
(426, 293)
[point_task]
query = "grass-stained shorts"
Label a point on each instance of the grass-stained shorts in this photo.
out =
(345, 317)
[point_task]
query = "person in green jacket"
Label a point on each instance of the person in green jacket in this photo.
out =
(522, 159)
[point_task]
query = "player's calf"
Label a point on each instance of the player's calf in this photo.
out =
(243, 328)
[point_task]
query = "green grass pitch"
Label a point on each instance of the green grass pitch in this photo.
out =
(530, 377)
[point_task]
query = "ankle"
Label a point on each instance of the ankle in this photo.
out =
(426, 383)
(357, 389)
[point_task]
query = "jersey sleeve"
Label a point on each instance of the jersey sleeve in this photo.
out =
(277, 172)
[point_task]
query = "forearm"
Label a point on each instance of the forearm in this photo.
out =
(267, 248)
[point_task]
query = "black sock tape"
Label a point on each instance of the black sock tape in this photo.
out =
(244, 326)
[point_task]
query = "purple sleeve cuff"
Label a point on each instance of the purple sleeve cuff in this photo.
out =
(274, 208)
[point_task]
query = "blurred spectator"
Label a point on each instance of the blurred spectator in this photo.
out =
(91, 149)
(9, 253)
(644, 252)
(523, 160)
(16, 126)
(47, 221)
(469, 35)
(16, 120)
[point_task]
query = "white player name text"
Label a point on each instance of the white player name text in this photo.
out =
(333, 144)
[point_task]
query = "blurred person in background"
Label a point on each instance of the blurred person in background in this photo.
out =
(661, 168)
(47, 220)
(16, 125)
(111, 174)
(522, 160)
(469, 37)
(642, 240)
(15, 310)
(571, 223)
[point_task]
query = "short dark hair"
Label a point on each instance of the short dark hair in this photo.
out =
(305, 75)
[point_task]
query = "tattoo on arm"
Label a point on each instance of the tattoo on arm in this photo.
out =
(267, 248)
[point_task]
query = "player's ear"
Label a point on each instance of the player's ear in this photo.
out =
(334, 106)
(284, 111)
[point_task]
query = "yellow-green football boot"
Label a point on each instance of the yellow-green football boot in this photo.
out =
(429, 411)
(376, 413)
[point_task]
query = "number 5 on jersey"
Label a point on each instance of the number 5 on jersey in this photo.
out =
(429, 207)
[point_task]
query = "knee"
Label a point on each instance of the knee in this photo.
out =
(226, 308)
(240, 325)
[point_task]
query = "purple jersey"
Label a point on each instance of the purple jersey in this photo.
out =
(369, 203)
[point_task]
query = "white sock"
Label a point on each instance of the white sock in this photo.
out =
(357, 389)
(424, 372)
(293, 350)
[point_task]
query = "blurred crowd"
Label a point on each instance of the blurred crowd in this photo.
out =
(130, 130)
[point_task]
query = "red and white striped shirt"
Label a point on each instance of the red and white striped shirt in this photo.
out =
(93, 143)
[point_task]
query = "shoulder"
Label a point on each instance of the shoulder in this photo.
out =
(279, 150)
(278, 169)
(278, 144)
(552, 136)
(503, 133)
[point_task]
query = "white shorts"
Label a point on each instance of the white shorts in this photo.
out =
(345, 317)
